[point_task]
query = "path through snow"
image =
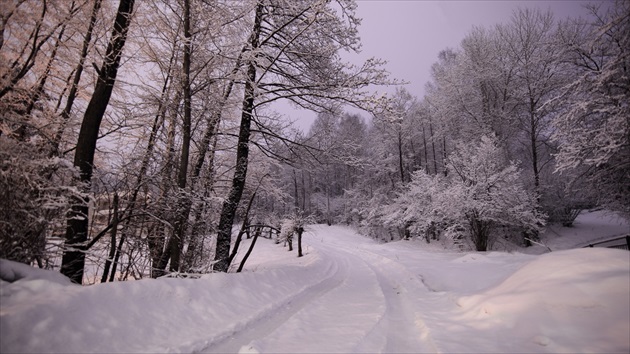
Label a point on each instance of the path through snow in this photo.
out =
(369, 303)
(347, 294)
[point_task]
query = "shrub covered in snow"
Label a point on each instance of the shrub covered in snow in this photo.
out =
(481, 195)
(31, 197)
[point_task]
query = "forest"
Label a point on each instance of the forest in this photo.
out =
(137, 138)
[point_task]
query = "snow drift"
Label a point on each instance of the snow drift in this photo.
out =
(568, 301)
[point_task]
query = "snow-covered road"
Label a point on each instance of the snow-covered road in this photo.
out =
(363, 302)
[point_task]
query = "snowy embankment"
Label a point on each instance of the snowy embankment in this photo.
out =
(348, 294)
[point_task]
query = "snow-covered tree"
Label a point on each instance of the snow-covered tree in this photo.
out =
(487, 193)
(77, 231)
(398, 132)
(293, 54)
(539, 72)
(414, 208)
(483, 196)
(594, 132)
(33, 198)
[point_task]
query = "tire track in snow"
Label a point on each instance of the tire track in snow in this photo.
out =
(406, 330)
(339, 320)
(268, 321)
(383, 303)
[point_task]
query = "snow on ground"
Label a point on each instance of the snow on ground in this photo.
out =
(347, 294)
(588, 227)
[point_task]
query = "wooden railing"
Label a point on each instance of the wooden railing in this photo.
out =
(261, 228)
(621, 242)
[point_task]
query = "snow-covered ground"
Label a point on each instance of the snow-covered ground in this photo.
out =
(347, 294)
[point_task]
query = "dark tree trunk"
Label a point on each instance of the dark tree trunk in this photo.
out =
(195, 251)
(290, 241)
(224, 235)
(444, 156)
(176, 240)
(211, 129)
(295, 188)
(160, 255)
(243, 230)
(249, 252)
(426, 151)
(112, 250)
(480, 231)
(400, 158)
(303, 192)
(300, 230)
(73, 260)
(328, 216)
(121, 242)
(65, 114)
(435, 167)
(534, 147)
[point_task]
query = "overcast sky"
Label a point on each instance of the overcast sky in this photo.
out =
(409, 34)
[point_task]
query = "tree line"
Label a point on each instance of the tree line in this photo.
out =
(523, 124)
(128, 131)
(132, 132)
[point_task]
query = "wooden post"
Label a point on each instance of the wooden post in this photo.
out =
(299, 232)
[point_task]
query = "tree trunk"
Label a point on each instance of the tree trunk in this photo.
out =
(300, 230)
(435, 167)
(195, 251)
(176, 240)
(534, 147)
(249, 252)
(243, 230)
(426, 151)
(65, 114)
(303, 192)
(444, 155)
(73, 260)
(121, 242)
(224, 235)
(112, 250)
(400, 158)
(328, 217)
(480, 231)
(160, 255)
(186, 204)
(295, 190)
(290, 240)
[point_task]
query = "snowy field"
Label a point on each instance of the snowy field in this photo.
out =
(347, 294)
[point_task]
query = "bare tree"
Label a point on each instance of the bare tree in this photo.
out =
(288, 57)
(77, 231)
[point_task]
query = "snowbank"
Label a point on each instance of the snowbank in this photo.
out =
(568, 301)
(40, 314)
(13, 271)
